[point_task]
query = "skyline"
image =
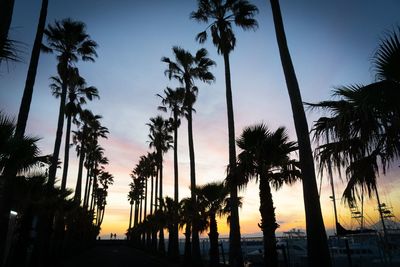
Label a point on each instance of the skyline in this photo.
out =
(129, 73)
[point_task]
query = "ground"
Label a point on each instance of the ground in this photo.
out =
(115, 255)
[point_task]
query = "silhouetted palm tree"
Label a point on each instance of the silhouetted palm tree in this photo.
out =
(20, 153)
(220, 15)
(186, 69)
(105, 179)
(186, 213)
(161, 140)
(171, 213)
(317, 245)
(77, 93)
(88, 135)
(31, 76)
(363, 123)
(174, 100)
(8, 52)
(265, 156)
(212, 198)
(7, 49)
(362, 131)
(69, 40)
(131, 202)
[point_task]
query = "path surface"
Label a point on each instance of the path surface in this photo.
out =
(116, 255)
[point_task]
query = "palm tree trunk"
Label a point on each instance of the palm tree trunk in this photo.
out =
(235, 250)
(176, 175)
(140, 209)
(156, 191)
(151, 195)
(66, 153)
(77, 196)
(318, 252)
(135, 222)
(196, 256)
(188, 247)
(161, 242)
(6, 12)
(145, 199)
(161, 179)
(93, 195)
(87, 187)
(31, 76)
(213, 236)
(268, 223)
(174, 240)
(130, 217)
(57, 143)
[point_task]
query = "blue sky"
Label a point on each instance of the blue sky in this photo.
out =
(331, 43)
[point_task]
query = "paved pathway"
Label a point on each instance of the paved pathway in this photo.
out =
(117, 255)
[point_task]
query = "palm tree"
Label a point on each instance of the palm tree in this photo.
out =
(212, 197)
(220, 15)
(19, 154)
(7, 50)
(77, 93)
(174, 100)
(265, 156)
(171, 208)
(87, 136)
(186, 213)
(161, 140)
(318, 252)
(105, 179)
(131, 202)
(186, 69)
(362, 131)
(69, 40)
(31, 76)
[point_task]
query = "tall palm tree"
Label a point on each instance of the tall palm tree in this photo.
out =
(186, 213)
(220, 15)
(186, 69)
(318, 252)
(87, 136)
(105, 179)
(212, 197)
(7, 6)
(131, 202)
(362, 131)
(31, 76)
(69, 40)
(161, 140)
(265, 156)
(7, 51)
(171, 209)
(174, 100)
(19, 154)
(77, 94)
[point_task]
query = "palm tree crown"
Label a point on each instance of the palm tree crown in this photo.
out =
(222, 16)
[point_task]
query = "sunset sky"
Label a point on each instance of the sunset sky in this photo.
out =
(331, 43)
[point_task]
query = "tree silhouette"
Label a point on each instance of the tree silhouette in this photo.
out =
(68, 39)
(317, 245)
(220, 15)
(265, 156)
(186, 69)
